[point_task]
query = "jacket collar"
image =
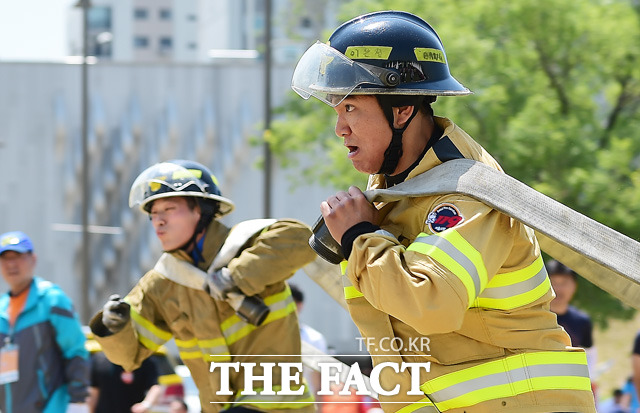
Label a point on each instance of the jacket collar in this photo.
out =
(429, 160)
(214, 237)
(36, 290)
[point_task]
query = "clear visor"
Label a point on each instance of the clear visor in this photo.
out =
(327, 74)
(162, 178)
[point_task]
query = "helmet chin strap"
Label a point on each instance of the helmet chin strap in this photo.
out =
(208, 211)
(393, 153)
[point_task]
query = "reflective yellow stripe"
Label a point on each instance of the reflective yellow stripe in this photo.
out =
(148, 343)
(280, 305)
(214, 349)
(217, 357)
(213, 343)
(343, 267)
(197, 354)
(275, 402)
(351, 292)
(451, 250)
(148, 334)
(281, 296)
(508, 377)
(169, 379)
(190, 355)
(515, 289)
(186, 343)
(422, 406)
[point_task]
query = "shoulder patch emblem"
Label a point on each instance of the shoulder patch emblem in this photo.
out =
(443, 217)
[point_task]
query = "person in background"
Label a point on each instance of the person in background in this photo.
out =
(618, 403)
(633, 384)
(310, 336)
(203, 306)
(113, 390)
(630, 394)
(44, 361)
(178, 406)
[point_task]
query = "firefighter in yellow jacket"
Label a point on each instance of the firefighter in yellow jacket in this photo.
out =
(439, 279)
(239, 310)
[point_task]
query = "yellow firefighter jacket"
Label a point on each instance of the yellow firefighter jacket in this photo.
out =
(462, 286)
(207, 330)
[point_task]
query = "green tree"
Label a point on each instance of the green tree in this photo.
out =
(556, 100)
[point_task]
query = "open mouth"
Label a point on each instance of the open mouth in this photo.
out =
(352, 150)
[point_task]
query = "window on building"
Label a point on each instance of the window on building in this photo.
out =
(140, 14)
(166, 43)
(141, 42)
(192, 17)
(165, 14)
(99, 18)
(192, 45)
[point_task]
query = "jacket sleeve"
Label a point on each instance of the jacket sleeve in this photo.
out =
(431, 283)
(71, 341)
(275, 255)
(145, 332)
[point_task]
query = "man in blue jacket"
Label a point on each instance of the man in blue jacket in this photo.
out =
(43, 362)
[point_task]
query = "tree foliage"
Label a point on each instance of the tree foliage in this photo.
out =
(556, 101)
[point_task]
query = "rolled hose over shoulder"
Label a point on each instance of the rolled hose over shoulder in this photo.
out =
(598, 253)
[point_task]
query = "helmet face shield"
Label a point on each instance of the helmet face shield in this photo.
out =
(330, 76)
(163, 180)
(177, 178)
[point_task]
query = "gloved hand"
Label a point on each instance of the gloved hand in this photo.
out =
(115, 313)
(219, 284)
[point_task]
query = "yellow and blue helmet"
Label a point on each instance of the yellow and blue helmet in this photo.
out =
(381, 53)
(177, 177)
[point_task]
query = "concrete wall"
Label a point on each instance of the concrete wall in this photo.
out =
(139, 114)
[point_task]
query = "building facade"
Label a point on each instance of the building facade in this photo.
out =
(189, 30)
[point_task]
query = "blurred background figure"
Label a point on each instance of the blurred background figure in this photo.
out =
(632, 385)
(44, 361)
(114, 390)
(311, 336)
(178, 406)
(618, 403)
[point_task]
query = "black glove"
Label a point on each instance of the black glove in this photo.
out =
(219, 284)
(115, 313)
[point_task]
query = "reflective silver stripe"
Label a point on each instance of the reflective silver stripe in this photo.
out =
(448, 248)
(385, 233)
(195, 344)
(189, 349)
(515, 289)
(142, 331)
(240, 324)
(511, 376)
(215, 350)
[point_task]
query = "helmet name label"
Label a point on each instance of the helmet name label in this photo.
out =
(368, 52)
(429, 55)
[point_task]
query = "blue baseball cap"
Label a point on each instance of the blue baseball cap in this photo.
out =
(16, 241)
